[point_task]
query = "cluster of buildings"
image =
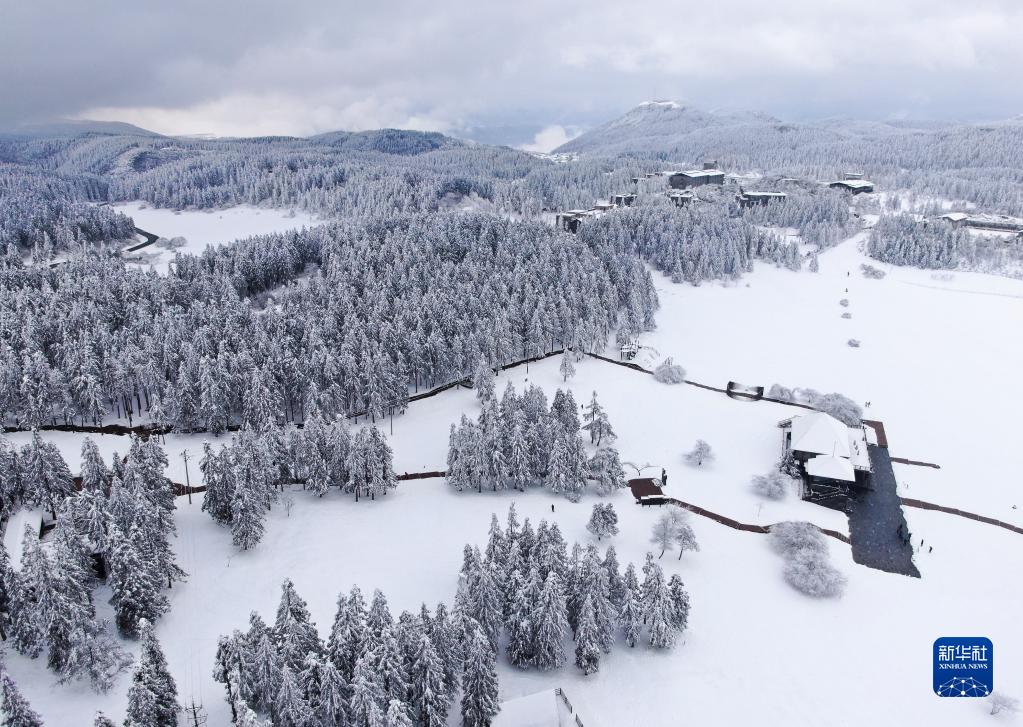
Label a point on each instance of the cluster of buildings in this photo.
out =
(680, 186)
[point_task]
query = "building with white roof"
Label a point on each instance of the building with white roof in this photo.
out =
(856, 186)
(827, 449)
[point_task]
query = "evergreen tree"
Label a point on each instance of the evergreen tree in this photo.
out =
(152, 697)
(679, 600)
(567, 367)
(597, 423)
(630, 612)
(429, 700)
(348, 634)
(366, 692)
(294, 634)
(479, 680)
(16, 710)
(397, 714)
(290, 708)
(248, 514)
(519, 622)
(135, 582)
(551, 624)
(389, 664)
(587, 647)
(657, 608)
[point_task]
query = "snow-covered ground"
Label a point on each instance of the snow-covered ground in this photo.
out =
(937, 362)
(208, 227)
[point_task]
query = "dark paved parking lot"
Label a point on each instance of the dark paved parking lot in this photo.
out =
(874, 519)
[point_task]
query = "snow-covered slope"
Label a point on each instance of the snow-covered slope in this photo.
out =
(756, 650)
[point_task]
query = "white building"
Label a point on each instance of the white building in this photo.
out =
(828, 449)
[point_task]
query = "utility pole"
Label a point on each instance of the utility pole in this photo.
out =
(195, 714)
(188, 485)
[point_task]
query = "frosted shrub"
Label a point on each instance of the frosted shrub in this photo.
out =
(1003, 703)
(853, 343)
(809, 572)
(806, 559)
(789, 538)
(844, 302)
(774, 485)
(869, 271)
(670, 373)
(841, 407)
(847, 314)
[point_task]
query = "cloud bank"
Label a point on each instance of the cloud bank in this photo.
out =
(307, 66)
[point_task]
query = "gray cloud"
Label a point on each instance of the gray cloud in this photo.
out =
(305, 66)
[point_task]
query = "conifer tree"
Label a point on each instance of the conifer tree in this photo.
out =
(16, 710)
(294, 634)
(367, 695)
(429, 699)
(587, 648)
(290, 708)
(567, 367)
(630, 613)
(152, 697)
(479, 680)
(551, 624)
(397, 714)
(349, 634)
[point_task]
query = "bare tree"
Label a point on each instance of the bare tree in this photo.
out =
(700, 453)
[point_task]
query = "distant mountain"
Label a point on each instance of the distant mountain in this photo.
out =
(658, 125)
(78, 127)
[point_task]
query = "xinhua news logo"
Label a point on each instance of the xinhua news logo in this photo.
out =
(964, 666)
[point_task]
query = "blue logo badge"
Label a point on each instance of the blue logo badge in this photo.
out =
(964, 666)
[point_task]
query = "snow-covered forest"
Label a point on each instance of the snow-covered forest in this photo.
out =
(317, 382)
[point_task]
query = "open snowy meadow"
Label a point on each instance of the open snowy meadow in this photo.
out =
(755, 650)
(201, 228)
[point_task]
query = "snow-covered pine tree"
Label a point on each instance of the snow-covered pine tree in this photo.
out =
(679, 603)
(429, 700)
(447, 641)
(397, 714)
(518, 621)
(389, 664)
(597, 423)
(657, 607)
(567, 366)
(606, 468)
(630, 612)
(349, 634)
(153, 695)
(379, 617)
(294, 633)
(219, 485)
(615, 584)
(289, 707)
(587, 648)
(248, 513)
(603, 521)
(479, 679)
(16, 710)
(551, 624)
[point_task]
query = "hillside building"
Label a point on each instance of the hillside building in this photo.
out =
(856, 186)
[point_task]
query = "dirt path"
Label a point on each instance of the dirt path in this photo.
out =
(910, 502)
(745, 527)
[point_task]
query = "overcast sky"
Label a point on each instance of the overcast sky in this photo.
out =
(511, 72)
